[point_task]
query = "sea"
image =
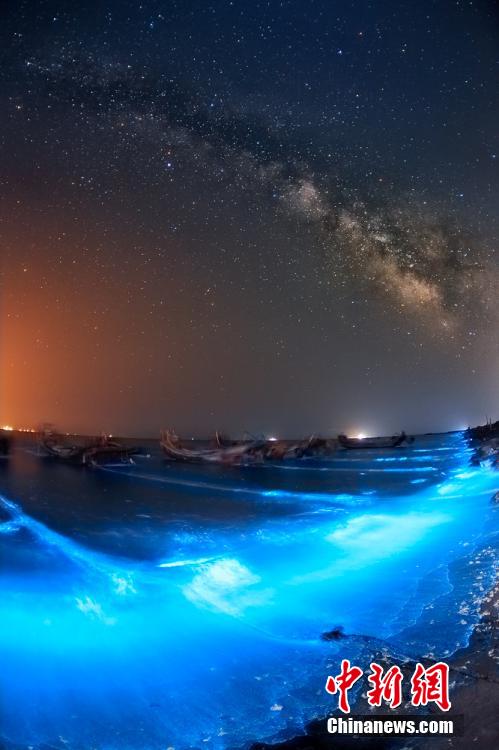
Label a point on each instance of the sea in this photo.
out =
(159, 606)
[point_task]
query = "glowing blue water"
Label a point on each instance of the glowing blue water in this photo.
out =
(154, 607)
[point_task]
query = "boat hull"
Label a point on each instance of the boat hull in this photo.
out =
(374, 444)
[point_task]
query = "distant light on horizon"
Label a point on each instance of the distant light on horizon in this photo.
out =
(272, 439)
(10, 428)
(361, 436)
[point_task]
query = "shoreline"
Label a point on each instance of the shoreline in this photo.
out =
(474, 693)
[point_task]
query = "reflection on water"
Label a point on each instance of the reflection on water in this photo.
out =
(157, 605)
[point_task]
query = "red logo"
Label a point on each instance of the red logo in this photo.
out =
(386, 687)
(429, 685)
(342, 683)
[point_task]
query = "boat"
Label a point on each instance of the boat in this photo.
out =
(312, 447)
(271, 449)
(237, 454)
(222, 441)
(316, 447)
(484, 432)
(90, 454)
(56, 446)
(373, 443)
(107, 450)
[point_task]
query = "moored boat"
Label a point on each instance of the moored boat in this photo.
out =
(316, 446)
(56, 446)
(107, 450)
(223, 441)
(237, 454)
(488, 431)
(101, 450)
(248, 451)
(373, 443)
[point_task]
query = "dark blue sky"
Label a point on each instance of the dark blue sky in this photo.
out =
(269, 216)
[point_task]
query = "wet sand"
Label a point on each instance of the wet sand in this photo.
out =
(474, 693)
(475, 670)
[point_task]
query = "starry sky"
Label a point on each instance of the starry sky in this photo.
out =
(273, 216)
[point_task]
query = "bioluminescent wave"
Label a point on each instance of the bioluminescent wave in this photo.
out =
(234, 490)
(205, 631)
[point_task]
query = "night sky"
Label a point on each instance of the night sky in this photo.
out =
(277, 216)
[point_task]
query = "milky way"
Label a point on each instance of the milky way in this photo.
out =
(413, 254)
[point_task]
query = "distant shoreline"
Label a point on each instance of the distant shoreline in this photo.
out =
(205, 439)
